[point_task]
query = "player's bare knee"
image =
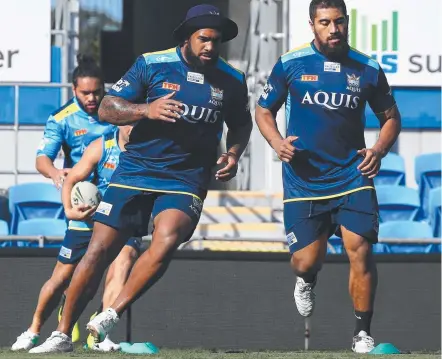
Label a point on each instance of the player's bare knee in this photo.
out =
(166, 239)
(92, 257)
(95, 252)
(61, 277)
(303, 266)
(57, 284)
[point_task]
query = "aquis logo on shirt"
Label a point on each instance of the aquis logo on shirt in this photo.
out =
(198, 114)
(332, 100)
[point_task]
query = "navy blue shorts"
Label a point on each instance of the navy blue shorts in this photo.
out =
(305, 221)
(130, 209)
(75, 244)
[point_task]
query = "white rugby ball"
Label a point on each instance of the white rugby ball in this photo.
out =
(85, 193)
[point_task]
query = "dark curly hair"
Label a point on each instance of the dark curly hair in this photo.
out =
(325, 4)
(87, 67)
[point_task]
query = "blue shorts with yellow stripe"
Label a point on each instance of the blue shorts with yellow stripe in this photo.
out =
(75, 243)
(129, 209)
(306, 220)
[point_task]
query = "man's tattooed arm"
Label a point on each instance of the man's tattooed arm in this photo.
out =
(120, 112)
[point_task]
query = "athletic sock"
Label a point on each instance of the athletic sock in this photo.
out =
(309, 278)
(363, 322)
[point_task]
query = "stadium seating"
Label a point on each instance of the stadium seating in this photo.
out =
(237, 246)
(392, 171)
(398, 203)
(408, 230)
(220, 214)
(427, 168)
(42, 227)
(34, 200)
(435, 210)
(241, 230)
(240, 198)
(405, 230)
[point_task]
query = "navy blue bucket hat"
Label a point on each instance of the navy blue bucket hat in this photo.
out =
(205, 17)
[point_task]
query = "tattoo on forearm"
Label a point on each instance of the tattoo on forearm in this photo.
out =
(118, 111)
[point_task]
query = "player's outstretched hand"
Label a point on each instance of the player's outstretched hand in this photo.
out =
(80, 212)
(59, 176)
(284, 148)
(229, 170)
(165, 109)
(372, 162)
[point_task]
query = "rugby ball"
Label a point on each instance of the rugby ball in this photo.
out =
(85, 193)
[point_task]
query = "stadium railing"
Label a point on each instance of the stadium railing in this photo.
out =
(16, 115)
(197, 242)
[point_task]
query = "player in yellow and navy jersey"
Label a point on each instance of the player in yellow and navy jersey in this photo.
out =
(178, 100)
(73, 126)
(327, 169)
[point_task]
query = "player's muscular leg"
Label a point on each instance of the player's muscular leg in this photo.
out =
(307, 262)
(105, 244)
(171, 228)
(117, 274)
(50, 294)
(363, 273)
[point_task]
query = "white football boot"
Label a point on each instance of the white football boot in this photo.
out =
(102, 324)
(362, 343)
(107, 345)
(304, 297)
(58, 342)
(25, 341)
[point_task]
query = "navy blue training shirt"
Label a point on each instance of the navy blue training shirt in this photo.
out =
(325, 106)
(178, 157)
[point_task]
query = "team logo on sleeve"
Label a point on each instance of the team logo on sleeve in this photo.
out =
(267, 89)
(353, 83)
(120, 84)
(171, 86)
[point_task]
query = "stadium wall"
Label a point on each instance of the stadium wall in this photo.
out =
(233, 301)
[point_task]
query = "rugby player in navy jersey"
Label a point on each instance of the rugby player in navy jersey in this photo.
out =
(178, 101)
(327, 169)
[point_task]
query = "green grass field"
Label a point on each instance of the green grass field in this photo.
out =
(204, 354)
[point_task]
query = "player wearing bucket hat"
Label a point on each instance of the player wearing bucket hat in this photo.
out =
(206, 16)
(179, 100)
